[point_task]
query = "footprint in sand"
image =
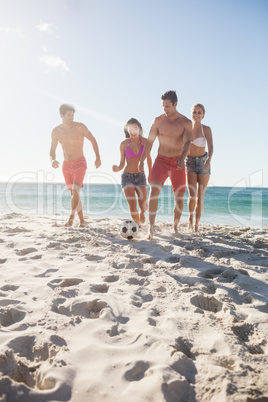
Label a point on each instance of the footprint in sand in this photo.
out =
(184, 346)
(208, 303)
(228, 275)
(246, 334)
(93, 257)
(64, 283)
(142, 272)
(243, 331)
(222, 253)
(17, 230)
(211, 273)
(167, 249)
(137, 372)
(47, 273)
(6, 302)
(226, 362)
(136, 281)
(140, 297)
(3, 260)
(113, 331)
(26, 251)
(55, 245)
(161, 289)
(173, 259)
(88, 309)
(21, 360)
(7, 288)
(224, 275)
(210, 289)
(99, 288)
(111, 278)
(36, 257)
(10, 316)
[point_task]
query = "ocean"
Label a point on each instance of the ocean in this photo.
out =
(237, 206)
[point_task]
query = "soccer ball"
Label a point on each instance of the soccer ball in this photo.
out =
(129, 230)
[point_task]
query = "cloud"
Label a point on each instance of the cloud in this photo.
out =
(13, 31)
(44, 27)
(54, 62)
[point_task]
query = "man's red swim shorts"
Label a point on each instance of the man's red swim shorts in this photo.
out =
(165, 167)
(74, 171)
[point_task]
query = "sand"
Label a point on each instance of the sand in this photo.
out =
(86, 315)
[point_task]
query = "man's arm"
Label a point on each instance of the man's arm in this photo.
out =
(52, 153)
(148, 146)
(187, 136)
(94, 144)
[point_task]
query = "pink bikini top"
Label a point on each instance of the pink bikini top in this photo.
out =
(200, 141)
(129, 153)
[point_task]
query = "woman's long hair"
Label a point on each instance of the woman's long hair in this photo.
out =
(132, 121)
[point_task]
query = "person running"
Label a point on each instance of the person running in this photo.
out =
(174, 132)
(134, 182)
(198, 165)
(71, 135)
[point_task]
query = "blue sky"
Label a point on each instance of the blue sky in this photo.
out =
(112, 59)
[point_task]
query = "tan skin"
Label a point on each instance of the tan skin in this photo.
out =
(71, 136)
(174, 132)
(132, 167)
(197, 183)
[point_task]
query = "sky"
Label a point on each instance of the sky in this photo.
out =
(113, 59)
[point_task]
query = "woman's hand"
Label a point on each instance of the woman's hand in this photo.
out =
(115, 168)
(207, 164)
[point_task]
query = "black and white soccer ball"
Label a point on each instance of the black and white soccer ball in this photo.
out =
(129, 230)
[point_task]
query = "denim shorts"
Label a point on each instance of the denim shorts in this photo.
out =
(133, 180)
(195, 164)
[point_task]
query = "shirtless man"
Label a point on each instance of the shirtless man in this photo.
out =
(71, 135)
(174, 132)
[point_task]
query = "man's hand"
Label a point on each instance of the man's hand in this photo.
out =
(141, 167)
(97, 163)
(180, 162)
(55, 164)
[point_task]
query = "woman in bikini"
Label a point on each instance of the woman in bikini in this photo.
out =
(198, 165)
(133, 182)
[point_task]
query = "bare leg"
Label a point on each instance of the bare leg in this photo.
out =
(81, 215)
(203, 180)
(76, 205)
(192, 190)
(178, 208)
(132, 203)
(142, 200)
(153, 205)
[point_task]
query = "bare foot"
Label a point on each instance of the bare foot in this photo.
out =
(150, 234)
(69, 223)
(142, 217)
(83, 224)
(190, 226)
(175, 228)
(196, 227)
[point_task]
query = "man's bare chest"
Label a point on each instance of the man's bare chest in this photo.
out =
(70, 137)
(171, 130)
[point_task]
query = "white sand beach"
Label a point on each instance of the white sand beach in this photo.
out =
(86, 315)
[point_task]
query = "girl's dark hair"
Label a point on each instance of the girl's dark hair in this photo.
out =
(132, 121)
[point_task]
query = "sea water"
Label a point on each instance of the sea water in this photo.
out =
(238, 206)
